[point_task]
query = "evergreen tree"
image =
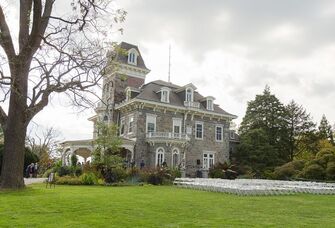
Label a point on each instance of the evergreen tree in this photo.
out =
(266, 112)
(325, 130)
(256, 151)
(300, 128)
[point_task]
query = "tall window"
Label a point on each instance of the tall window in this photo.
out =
(159, 156)
(189, 95)
(218, 133)
(210, 105)
(175, 158)
(199, 130)
(176, 126)
(151, 123)
(122, 126)
(131, 124)
(165, 96)
(132, 58)
(208, 160)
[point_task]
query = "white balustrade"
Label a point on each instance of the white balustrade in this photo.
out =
(192, 104)
(167, 135)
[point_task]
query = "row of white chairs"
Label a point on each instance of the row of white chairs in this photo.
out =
(256, 186)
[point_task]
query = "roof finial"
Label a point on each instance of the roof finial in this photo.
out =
(169, 63)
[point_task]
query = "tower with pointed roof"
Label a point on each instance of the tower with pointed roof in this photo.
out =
(125, 71)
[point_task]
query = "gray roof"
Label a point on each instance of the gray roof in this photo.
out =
(123, 58)
(149, 93)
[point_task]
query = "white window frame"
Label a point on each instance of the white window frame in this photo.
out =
(216, 133)
(208, 161)
(130, 128)
(186, 94)
(150, 118)
(176, 122)
(132, 57)
(159, 151)
(202, 130)
(210, 104)
(122, 124)
(175, 150)
(165, 94)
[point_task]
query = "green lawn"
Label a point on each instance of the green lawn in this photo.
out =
(158, 206)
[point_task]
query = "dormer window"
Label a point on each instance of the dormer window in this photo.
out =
(165, 94)
(132, 57)
(189, 95)
(210, 105)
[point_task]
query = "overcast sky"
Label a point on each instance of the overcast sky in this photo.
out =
(229, 50)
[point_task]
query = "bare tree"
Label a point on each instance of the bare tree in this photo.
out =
(44, 143)
(52, 54)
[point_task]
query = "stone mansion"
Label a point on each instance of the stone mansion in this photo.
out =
(159, 122)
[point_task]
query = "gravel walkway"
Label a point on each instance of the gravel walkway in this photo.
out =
(33, 180)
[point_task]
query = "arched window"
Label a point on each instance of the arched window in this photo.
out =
(132, 56)
(160, 156)
(175, 158)
(189, 95)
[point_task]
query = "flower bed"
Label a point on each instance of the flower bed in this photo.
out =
(256, 186)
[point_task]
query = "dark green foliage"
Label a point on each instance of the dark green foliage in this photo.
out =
(324, 151)
(88, 179)
(63, 171)
(223, 171)
(113, 175)
(74, 160)
(158, 176)
(299, 128)
(268, 114)
(325, 130)
(288, 170)
(256, 151)
(330, 171)
(314, 172)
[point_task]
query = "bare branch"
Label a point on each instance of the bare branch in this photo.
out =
(6, 41)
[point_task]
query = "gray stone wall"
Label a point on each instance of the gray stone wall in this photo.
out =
(194, 149)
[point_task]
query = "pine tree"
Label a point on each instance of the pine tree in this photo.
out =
(300, 128)
(267, 113)
(325, 130)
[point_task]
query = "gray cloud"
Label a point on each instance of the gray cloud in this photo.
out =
(201, 26)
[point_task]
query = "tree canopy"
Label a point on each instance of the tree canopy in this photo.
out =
(51, 53)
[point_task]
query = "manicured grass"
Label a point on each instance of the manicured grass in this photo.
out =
(158, 206)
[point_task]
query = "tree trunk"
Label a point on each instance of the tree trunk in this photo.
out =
(15, 130)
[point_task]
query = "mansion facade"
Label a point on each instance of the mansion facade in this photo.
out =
(160, 123)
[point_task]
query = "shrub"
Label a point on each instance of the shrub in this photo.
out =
(288, 170)
(324, 151)
(88, 179)
(330, 171)
(223, 170)
(314, 172)
(112, 175)
(63, 171)
(76, 170)
(157, 176)
(216, 173)
(68, 180)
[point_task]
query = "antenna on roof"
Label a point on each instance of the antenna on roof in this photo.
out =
(169, 63)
